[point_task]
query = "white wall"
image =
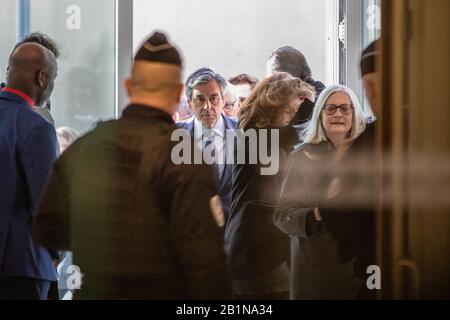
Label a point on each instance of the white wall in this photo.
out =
(236, 36)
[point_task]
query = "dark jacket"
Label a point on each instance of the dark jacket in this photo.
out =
(224, 184)
(329, 260)
(256, 249)
(28, 147)
(139, 226)
(317, 85)
(307, 107)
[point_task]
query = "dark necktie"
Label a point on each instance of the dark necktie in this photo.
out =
(213, 156)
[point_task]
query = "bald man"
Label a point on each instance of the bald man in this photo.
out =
(139, 226)
(50, 44)
(28, 147)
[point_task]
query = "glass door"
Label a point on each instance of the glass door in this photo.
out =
(359, 24)
(85, 30)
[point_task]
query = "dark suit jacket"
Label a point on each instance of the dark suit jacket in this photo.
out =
(27, 150)
(225, 183)
(307, 107)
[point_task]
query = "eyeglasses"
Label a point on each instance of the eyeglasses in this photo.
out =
(331, 109)
(229, 106)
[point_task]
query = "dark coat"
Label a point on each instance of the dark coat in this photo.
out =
(139, 226)
(225, 182)
(317, 85)
(256, 249)
(304, 113)
(329, 260)
(28, 147)
(306, 108)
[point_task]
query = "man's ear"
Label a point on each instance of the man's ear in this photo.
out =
(41, 79)
(128, 86)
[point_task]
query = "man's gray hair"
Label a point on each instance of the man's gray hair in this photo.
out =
(202, 76)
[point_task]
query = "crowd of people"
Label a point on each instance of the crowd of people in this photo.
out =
(139, 226)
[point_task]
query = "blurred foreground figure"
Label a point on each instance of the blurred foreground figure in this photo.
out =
(139, 226)
(28, 148)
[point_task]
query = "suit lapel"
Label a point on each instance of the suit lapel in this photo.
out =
(189, 126)
(228, 168)
(229, 124)
(226, 175)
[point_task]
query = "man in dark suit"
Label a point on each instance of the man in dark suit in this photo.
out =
(204, 91)
(28, 147)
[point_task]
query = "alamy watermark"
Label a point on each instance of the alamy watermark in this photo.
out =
(250, 147)
(374, 280)
(75, 280)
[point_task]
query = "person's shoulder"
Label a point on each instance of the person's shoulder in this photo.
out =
(311, 151)
(184, 123)
(32, 121)
(231, 123)
(318, 85)
(45, 113)
(299, 151)
(370, 126)
(97, 132)
(366, 140)
(81, 148)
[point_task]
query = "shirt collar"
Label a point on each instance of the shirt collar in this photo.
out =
(21, 94)
(199, 129)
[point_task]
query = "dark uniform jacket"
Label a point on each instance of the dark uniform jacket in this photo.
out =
(330, 259)
(138, 225)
